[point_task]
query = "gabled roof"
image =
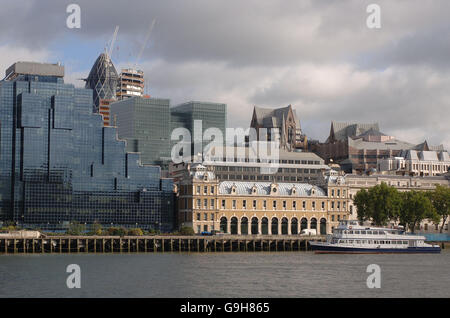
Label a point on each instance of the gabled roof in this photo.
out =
(341, 131)
(428, 155)
(274, 117)
(443, 156)
(371, 132)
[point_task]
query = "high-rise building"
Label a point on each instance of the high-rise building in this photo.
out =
(102, 80)
(131, 83)
(105, 111)
(60, 164)
(145, 124)
(212, 115)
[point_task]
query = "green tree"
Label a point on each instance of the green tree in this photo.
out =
(186, 230)
(416, 207)
(75, 228)
(440, 198)
(379, 204)
(117, 231)
(135, 232)
(96, 229)
(361, 201)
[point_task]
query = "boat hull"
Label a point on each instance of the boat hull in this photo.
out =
(328, 249)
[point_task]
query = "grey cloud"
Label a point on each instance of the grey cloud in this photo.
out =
(246, 52)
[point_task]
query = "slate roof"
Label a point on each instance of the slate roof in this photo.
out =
(344, 130)
(263, 188)
(273, 117)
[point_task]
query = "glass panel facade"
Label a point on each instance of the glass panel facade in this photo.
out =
(59, 164)
(145, 124)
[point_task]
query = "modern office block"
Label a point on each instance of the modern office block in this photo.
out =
(210, 114)
(145, 124)
(60, 164)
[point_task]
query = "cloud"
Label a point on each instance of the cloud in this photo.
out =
(317, 55)
(10, 54)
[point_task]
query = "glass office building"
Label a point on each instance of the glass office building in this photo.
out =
(58, 163)
(211, 115)
(145, 124)
(103, 80)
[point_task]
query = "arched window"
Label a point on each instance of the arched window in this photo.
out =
(313, 225)
(223, 224)
(244, 226)
(294, 226)
(304, 224)
(234, 225)
(274, 226)
(323, 226)
(284, 226)
(255, 225)
(264, 226)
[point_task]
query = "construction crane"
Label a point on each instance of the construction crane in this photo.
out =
(112, 41)
(145, 42)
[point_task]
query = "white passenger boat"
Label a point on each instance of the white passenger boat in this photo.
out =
(350, 237)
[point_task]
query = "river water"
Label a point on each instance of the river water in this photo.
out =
(289, 274)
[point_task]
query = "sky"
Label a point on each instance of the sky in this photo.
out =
(318, 56)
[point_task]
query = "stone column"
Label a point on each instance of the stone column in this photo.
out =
(279, 227)
(239, 226)
(259, 226)
(229, 226)
(289, 227)
(269, 227)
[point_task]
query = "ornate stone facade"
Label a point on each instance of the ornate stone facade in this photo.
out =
(265, 208)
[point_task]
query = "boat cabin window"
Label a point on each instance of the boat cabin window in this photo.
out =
(363, 232)
(369, 232)
(356, 232)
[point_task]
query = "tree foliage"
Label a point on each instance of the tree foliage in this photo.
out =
(416, 207)
(117, 231)
(382, 203)
(135, 232)
(186, 230)
(379, 204)
(75, 228)
(440, 198)
(96, 229)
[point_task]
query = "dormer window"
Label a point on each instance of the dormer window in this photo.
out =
(313, 191)
(254, 189)
(233, 189)
(273, 188)
(205, 177)
(294, 191)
